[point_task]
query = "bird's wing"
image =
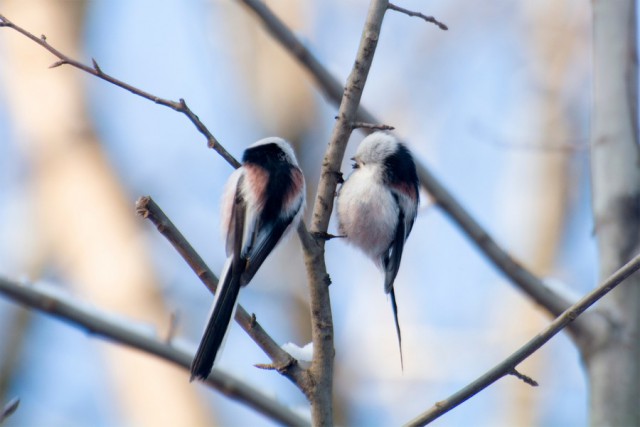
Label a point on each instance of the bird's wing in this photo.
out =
(393, 255)
(265, 238)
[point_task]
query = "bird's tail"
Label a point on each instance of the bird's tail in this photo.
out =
(394, 306)
(213, 337)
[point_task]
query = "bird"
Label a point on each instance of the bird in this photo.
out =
(262, 202)
(377, 206)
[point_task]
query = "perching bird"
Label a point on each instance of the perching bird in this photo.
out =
(377, 206)
(263, 201)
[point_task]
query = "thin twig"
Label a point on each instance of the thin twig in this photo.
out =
(527, 379)
(148, 209)
(179, 106)
(9, 409)
(408, 12)
(276, 367)
(370, 126)
(553, 302)
(129, 334)
(508, 366)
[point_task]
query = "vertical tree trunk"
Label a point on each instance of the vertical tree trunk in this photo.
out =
(613, 362)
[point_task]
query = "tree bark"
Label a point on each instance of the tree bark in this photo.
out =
(613, 358)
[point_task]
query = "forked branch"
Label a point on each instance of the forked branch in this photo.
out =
(147, 208)
(95, 70)
(408, 12)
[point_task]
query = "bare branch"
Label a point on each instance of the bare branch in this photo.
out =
(275, 367)
(508, 366)
(147, 208)
(95, 70)
(105, 325)
(321, 319)
(13, 404)
(408, 12)
(58, 64)
(370, 126)
(510, 267)
(527, 379)
(96, 66)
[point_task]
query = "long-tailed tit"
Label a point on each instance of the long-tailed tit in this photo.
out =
(377, 206)
(263, 201)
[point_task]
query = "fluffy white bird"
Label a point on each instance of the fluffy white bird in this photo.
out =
(378, 204)
(263, 201)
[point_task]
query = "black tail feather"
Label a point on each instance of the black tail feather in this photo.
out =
(217, 326)
(394, 306)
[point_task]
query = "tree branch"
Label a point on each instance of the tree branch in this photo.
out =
(509, 365)
(521, 277)
(346, 117)
(370, 126)
(95, 70)
(105, 325)
(148, 209)
(551, 301)
(408, 12)
(321, 317)
(526, 281)
(9, 409)
(527, 379)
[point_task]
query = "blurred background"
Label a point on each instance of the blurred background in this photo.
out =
(498, 107)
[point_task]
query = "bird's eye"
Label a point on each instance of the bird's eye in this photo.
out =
(355, 165)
